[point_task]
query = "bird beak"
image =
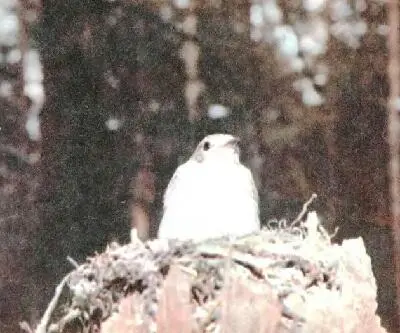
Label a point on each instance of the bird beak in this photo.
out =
(233, 142)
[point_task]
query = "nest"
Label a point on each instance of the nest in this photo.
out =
(282, 279)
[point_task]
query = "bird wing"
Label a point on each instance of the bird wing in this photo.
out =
(251, 186)
(175, 179)
(174, 204)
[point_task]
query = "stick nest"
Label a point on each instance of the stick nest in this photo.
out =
(282, 279)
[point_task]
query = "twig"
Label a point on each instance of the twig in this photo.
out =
(332, 235)
(68, 318)
(304, 210)
(44, 322)
(209, 318)
(72, 261)
(23, 325)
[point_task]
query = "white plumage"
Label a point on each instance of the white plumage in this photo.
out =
(211, 195)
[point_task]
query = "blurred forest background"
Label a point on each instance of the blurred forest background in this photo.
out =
(100, 100)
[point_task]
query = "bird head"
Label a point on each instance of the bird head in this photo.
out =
(218, 147)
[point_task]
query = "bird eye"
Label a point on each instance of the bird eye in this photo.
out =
(206, 146)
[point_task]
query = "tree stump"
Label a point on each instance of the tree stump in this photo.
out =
(282, 279)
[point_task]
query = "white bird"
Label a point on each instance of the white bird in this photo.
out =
(211, 195)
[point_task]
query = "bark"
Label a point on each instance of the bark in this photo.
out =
(394, 134)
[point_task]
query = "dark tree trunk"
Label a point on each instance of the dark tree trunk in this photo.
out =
(19, 182)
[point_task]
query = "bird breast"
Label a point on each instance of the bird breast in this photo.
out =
(210, 201)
